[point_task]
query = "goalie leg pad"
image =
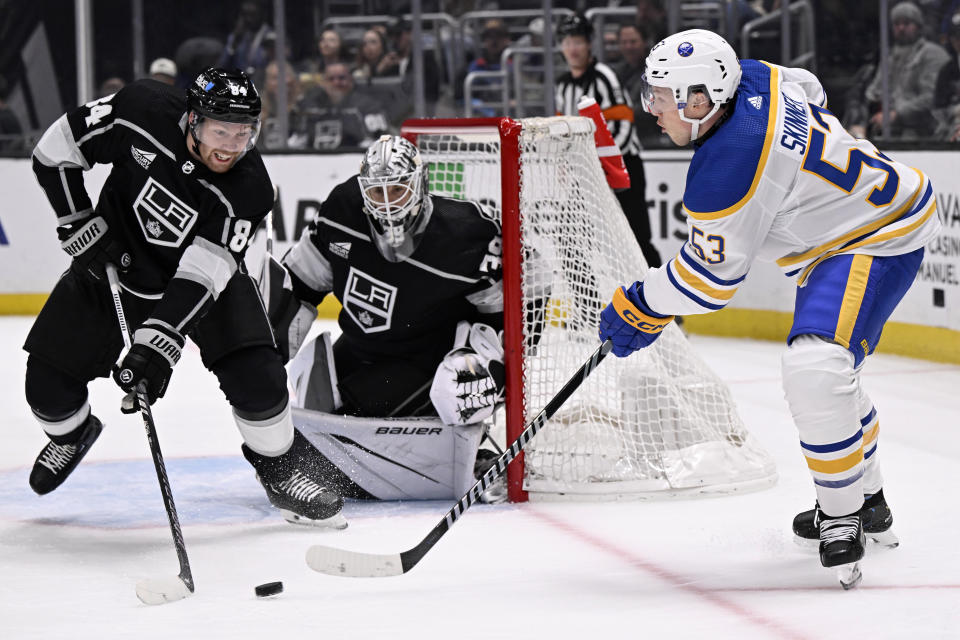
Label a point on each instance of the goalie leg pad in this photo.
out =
(394, 459)
(820, 385)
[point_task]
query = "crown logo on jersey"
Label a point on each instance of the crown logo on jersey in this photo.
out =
(188, 167)
(756, 102)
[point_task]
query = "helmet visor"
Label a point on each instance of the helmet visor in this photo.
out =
(234, 137)
(657, 100)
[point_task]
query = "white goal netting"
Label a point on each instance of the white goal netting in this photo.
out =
(658, 423)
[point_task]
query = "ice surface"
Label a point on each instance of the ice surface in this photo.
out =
(713, 568)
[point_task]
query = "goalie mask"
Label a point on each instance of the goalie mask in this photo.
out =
(393, 181)
(695, 60)
(223, 111)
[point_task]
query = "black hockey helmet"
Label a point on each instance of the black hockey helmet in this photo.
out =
(575, 25)
(228, 98)
(224, 95)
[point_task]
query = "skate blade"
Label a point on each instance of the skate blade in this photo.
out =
(336, 521)
(887, 539)
(849, 575)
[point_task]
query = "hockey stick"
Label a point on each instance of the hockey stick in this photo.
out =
(166, 589)
(355, 564)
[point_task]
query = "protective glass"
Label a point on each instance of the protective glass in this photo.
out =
(232, 137)
(393, 202)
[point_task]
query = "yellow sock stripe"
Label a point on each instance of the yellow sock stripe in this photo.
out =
(636, 318)
(836, 466)
(871, 435)
(852, 298)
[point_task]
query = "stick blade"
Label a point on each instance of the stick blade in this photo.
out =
(353, 564)
(154, 591)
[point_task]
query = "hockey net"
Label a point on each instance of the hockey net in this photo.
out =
(656, 424)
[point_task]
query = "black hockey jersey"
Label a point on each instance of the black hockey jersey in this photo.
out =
(409, 307)
(186, 227)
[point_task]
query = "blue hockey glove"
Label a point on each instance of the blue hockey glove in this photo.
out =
(92, 245)
(156, 348)
(629, 323)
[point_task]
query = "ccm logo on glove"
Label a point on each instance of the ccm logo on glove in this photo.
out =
(636, 318)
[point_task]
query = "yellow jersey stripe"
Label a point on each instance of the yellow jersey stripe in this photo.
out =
(847, 237)
(762, 165)
(852, 298)
(836, 466)
(880, 237)
(699, 285)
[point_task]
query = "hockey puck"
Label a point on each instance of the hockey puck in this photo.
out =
(268, 589)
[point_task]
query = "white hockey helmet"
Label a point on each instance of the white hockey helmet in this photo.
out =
(691, 60)
(393, 181)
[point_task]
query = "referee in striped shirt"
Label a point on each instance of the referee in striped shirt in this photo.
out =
(595, 79)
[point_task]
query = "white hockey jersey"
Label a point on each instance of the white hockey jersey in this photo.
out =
(782, 180)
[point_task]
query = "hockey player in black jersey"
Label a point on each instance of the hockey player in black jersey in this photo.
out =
(419, 279)
(184, 195)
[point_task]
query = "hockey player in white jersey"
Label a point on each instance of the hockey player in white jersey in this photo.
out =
(775, 176)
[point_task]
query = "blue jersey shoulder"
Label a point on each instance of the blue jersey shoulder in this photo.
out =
(725, 168)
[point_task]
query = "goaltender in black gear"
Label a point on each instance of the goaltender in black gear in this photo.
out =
(419, 280)
(186, 190)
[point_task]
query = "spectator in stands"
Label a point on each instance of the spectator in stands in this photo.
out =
(245, 45)
(270, 137)
(10, 129)
(109, 87)
(494, 38)
(339, 115)
(371, 58)
(330, 49)
(632, 45)
(946, 98)
(163, 70)
(652, 17)
(400, 65)
(194, 55)
(914, 63)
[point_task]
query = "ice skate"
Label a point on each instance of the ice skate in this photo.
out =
(57, 460)
(295, 489)
(875, 515)
(842, 546)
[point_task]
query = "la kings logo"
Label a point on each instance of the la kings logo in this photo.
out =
(368, 301)
(164, 218)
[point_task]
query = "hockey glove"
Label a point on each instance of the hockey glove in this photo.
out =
(156, 348)
(629, 323)
(92, 245)
(290, 317)
(469, 381)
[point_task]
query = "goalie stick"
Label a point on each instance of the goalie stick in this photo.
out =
(356, 564)
(165, 589)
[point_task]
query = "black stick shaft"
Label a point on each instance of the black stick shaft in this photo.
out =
(154, 443)
(411, 557)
